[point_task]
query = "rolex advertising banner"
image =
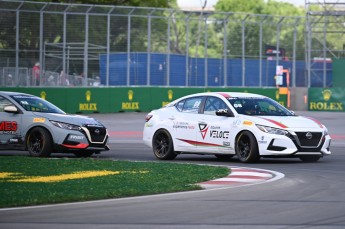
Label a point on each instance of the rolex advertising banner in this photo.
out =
(326, 99)
(87, 100)
(130, 99)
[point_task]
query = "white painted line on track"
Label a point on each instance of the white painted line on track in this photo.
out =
(242, 176)
(251, 174)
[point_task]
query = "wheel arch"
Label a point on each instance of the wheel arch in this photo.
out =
(249, 151)
(243, 130)
(163, 128)
(30, 129)
(163, 148)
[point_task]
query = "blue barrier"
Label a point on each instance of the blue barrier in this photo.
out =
(192, 70)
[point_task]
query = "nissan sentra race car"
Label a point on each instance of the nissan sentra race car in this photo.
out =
(227, 124)
(33, 124)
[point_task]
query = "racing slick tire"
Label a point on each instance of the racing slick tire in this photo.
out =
(309, 158)
(162, 145)
(39, 142)
(246, 147)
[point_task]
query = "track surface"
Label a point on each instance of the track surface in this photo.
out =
(311, 195)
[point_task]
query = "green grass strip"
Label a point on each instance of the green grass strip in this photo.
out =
(26, 181)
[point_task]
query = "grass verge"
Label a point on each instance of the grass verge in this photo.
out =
(26, 181)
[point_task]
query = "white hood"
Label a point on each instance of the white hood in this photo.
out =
(287, 122)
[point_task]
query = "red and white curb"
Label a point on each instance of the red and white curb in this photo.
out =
(243, 176)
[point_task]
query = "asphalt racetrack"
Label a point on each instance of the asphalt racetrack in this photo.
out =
(311, 195)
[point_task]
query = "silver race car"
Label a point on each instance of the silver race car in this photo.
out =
(30, 123)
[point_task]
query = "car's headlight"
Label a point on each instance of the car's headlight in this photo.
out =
(271, 130)
(64, 125)
(325, 132)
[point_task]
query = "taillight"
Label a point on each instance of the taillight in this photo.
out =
(148, 117)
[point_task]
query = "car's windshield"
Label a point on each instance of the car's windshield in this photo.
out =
(36, 104)
(258, 106)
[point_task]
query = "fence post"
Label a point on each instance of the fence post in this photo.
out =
(243, 53)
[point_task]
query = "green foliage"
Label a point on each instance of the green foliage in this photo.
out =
(270, 7)
(247, 6)
(252, 26)
(133, 179)
(282, 9)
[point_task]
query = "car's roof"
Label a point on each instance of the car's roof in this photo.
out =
(228, 94)
(12, 93)
(219, 94)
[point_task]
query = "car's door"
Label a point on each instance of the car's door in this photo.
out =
(10, 124)
(214, 131)
(185, 123)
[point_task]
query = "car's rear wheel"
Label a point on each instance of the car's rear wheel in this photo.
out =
(247, 147)
(39, 142)
(310, 158)
(162, 145)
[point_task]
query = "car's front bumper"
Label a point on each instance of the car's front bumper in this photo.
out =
(293, 145)
(84, 140)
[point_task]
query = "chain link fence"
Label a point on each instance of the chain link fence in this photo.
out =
(93, 45)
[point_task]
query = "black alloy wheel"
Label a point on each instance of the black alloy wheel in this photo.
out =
(247, 147)
(162, 145)
(39, 142)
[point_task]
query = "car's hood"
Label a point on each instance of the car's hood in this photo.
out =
(80, 120)
(286, 122)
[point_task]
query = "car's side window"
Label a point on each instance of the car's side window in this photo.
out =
(192, 105)
(3, 103)
(179, 105)
(213, 104)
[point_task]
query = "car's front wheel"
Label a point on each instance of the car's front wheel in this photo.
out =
(247, 147)
(39, 142)
(162, 145)
(310, 158)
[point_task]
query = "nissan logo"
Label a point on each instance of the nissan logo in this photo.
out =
(309, 135)
(97, 131)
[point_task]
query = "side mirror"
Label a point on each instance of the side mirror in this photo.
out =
(224, 112)
(11, 109)
(292, 112)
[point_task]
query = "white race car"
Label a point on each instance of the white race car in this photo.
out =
(227, 124)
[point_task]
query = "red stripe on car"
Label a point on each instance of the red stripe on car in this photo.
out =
(224, 94)
(275, 122)
(198, 143)
(79, 146)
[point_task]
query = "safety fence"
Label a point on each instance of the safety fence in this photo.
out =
(75, 44)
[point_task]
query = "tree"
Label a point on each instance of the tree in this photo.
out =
(53, 32)
(251, 19)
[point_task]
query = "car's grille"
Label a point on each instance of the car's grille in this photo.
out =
(309, 139)
(97, 133)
